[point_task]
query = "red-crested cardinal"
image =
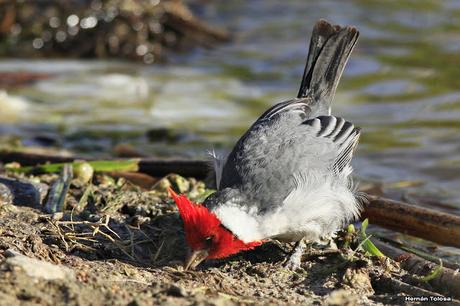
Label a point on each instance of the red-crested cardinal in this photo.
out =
(288, 177)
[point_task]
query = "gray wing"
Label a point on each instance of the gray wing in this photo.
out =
(265, 161)
(298, 109)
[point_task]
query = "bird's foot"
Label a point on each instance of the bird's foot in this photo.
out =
(325, 243)
(295, 258)
(304, 250)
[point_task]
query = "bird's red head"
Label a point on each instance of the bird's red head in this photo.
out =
(205, 235)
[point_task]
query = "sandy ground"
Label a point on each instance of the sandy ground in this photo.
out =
(117, 244)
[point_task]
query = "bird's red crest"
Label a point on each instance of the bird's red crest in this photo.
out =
(203, 230)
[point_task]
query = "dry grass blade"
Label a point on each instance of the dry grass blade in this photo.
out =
(106, 224)
(72, 234)
(60, 233)
(84, 199)
(157, 253)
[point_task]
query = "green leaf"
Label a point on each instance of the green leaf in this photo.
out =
(349, 236)
(98, 166)
(367, 244)
(351, 229)
(84, 199)
(435, 273)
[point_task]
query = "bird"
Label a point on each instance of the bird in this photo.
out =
(288, 178)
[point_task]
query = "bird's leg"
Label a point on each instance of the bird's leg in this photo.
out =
(295, 258)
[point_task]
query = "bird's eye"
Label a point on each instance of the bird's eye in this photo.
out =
(208, 240)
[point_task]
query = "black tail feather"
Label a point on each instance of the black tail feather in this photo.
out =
(330, 48)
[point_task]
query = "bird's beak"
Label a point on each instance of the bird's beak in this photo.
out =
(195, 258)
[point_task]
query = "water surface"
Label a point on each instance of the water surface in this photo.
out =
(402, 86)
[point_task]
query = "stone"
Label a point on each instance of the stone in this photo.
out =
(22, 192)
(36, 268)
(175, 290)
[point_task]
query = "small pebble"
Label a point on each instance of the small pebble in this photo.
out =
(177, 291)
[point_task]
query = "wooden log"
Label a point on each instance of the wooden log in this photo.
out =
(33, 159)
(392, 285)
(189, 168)
(425, 223)
(448, 281)
(420, 253)
(181, 19)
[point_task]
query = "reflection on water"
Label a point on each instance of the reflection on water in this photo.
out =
(402, 86)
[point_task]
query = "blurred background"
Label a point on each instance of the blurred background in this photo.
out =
(176, 78)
